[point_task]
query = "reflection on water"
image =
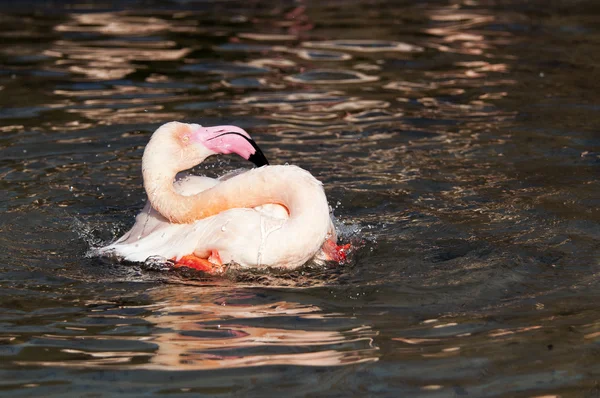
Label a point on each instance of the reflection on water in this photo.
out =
(181, 331)
(235, 333)
(458, 145)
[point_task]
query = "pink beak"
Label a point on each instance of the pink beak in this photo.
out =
(231, 139)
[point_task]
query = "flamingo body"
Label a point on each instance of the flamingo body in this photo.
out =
(250, 237)
(274, 216)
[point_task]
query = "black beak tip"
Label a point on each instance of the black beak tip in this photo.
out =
(258, 158)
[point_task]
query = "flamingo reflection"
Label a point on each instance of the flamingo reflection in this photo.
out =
(196, 335)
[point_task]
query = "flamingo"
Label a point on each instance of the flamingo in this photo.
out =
(269, 216)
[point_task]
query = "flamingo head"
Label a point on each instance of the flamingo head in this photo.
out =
(181, 146)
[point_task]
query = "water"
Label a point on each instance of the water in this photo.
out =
(458, 144)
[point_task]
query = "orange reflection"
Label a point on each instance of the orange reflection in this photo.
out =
(196, 328)
(220, 335)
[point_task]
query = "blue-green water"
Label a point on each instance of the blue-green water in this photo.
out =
(458, 145)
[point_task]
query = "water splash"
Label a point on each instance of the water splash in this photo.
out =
(91, 234)
(158, 264)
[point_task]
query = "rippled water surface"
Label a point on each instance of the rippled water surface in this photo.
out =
(458, 143)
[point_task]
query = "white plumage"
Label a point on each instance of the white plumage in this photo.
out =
(261, 236)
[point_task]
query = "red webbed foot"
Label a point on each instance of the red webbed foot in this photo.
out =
(335, 252)
(210, 265)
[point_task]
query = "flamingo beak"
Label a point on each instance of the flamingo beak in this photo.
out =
(257, 157)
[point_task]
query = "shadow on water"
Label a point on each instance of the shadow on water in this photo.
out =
(457, 142)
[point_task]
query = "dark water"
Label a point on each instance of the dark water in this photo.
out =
(457, 140)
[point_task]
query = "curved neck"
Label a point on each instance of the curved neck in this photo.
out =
(256, 187)
(299, 238)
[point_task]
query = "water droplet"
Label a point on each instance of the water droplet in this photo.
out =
(70, 189)
(223, 229)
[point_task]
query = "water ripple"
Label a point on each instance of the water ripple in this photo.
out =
(179, 333)
(224, 68)
(331, 76)
(315, 55)
(366, 46)
(458, 147)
